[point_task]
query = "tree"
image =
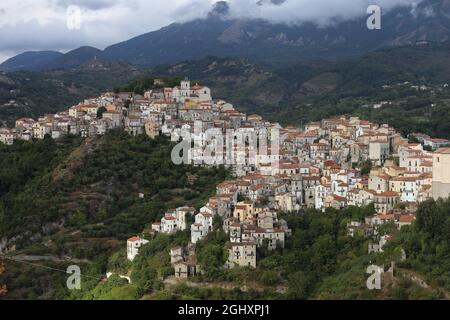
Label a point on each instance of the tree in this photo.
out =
(118, 262)
(432, 216)
(211, 258)
(100, 112)
(3, 288)
(2, 218)
(217, 222)
(366, 166)
(269, 278)
(298, 286)
(78, 219)
(146, 280)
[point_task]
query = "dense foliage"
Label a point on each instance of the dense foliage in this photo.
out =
(81, 197)
(320, 261)
(306, 91)
(312, 90)
(141, 85)
(98, 182)
(35, 93)
(427, 243)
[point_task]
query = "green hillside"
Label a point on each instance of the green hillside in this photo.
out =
(76, 201)
(79, 198)
(33, 94)
(315, 89)
(307, 91)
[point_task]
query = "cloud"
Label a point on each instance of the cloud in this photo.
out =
(321, 12)
(42, 24)
(88, 4)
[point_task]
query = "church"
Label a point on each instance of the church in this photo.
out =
(185, 93)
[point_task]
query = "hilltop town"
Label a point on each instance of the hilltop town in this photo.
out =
(335, 163)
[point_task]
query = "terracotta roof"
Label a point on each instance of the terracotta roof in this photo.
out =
(389, 194)
(443, 151)
(134, 239)
(206, 215)
(386, 217)
(407, 218)
(339, 198)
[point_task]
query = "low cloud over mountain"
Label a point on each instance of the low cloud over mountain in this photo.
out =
(42, 24)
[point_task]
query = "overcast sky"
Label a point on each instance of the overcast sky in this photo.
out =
(42, 24)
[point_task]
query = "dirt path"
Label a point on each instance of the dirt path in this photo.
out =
(172, 281)
(417, 279)
(34, 258)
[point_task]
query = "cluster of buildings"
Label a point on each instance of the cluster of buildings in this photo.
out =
(316, 167)
(174, 220)
(334, 163)
(249, 225)
(136, 114)
(427, 141)
(370, 227)
(184, 262)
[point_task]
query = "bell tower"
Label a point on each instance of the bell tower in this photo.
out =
(185, 88)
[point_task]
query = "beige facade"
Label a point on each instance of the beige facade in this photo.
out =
(243, 209)
(242, 254)
(379, 183)
(284, 201)
(6, 136)
(378, 151)
(441, 173)
(152, 129)
(184, 270)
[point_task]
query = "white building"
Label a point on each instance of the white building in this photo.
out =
(378, 151)
(168, 224)
(133, 245)
(6, 136)
(198, 232)
(321, 192)
(174, 220)
(275, 238)
(206, 219)
(185, 91)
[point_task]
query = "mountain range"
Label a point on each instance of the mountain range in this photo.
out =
(271, 44)
(302, 92)
(255, 88)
